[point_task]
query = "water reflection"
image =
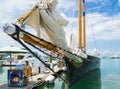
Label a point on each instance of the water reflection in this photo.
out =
(89, 81)
(108, 77)
(110, 74)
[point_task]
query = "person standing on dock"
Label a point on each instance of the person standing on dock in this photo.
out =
(28, 68)
(27, 72)
(27, 64)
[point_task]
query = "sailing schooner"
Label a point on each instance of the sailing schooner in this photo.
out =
(48, 23)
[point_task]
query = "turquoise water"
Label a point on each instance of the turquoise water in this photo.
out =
(108, 77)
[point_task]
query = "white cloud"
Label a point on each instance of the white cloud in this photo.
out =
(11, 8)
(68, 5)
(9, 11)
(5, 40)
(105, 27)
(119, 2)
(94, 1)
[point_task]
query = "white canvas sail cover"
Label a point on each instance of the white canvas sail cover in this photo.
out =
(48, 23)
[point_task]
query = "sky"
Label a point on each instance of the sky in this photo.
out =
(102, 21)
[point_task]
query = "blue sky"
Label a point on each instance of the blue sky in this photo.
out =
(102, 20)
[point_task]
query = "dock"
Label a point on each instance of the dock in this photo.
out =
(33, 81)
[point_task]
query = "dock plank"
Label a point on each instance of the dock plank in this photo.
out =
(33, 81)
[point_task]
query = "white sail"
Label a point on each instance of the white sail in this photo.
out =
(48, 23)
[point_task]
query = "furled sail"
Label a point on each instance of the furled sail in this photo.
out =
(48, 23)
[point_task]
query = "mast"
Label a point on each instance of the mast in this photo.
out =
(84, 24)
(81, 25)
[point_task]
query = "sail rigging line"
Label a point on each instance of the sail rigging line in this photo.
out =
(42, 61)
(50, 44)
(68, 53)
(72, 14)
(93, 33)
(18, 39)
(71, 34)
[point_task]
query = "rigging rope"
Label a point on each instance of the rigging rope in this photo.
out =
(94, 37)
(72, 24)
(93, 33)
(73, 14)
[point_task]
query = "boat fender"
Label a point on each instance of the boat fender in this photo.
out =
(9, 28)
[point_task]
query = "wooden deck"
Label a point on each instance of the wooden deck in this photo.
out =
(33, 81)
